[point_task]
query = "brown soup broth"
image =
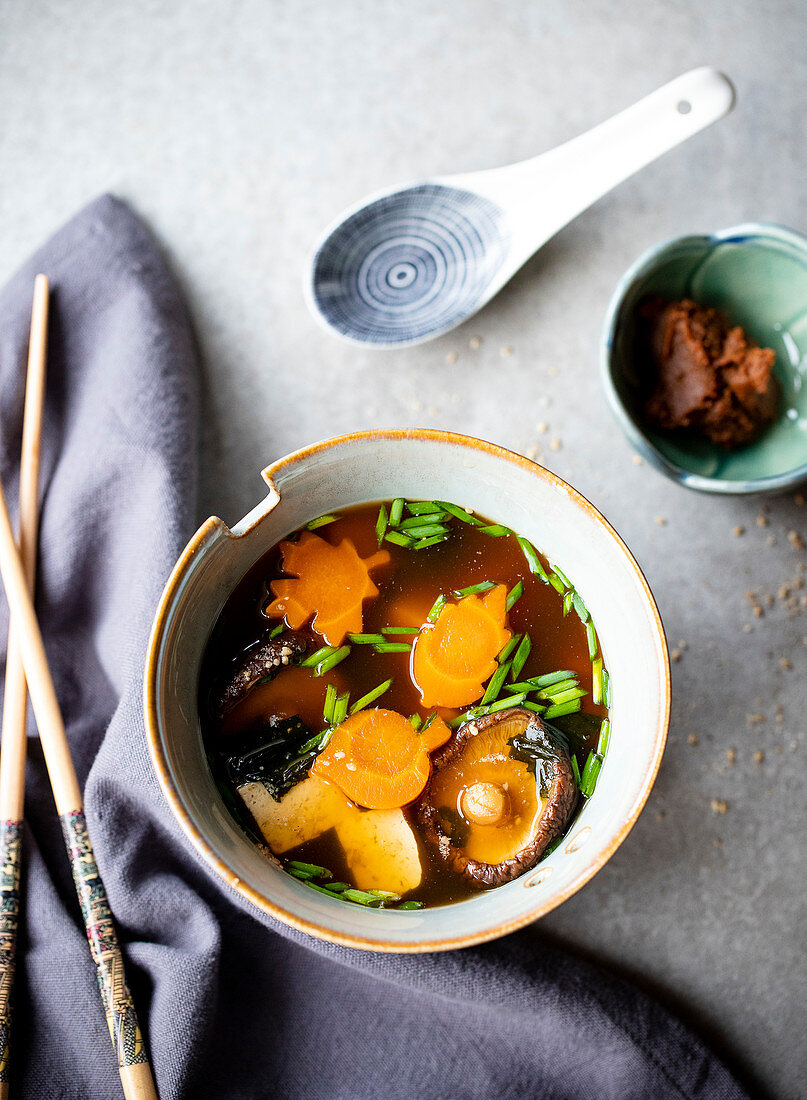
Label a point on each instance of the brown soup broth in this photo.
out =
(408, 587)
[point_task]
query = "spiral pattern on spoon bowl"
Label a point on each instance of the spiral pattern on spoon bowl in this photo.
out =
(409, 265)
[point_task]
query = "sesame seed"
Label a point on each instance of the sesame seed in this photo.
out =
(786, 663)
(795, 540)
(719, 805)
(731, 756)
(638, 460)
(693, 739)
(555, 444)
(542, 427)
(676, 655)
(739, 531)
(505, 351)
(452, 357)
(762, 521)
(475, 343)
(759, 756)
(659, 520)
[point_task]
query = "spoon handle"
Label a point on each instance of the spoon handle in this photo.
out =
(546, 192)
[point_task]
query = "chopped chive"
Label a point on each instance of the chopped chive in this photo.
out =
(398, 539)
(460, 513)
(558, 688)
(597, 687)
(495, 686)
(508, 649)
(566, 696)
(336, 887)
(605, 736)
(321, 889)
(556, 583)
(591, 638)
(590, 774)
(277, 631)
(381, 524)
(496, 530)
(472, 589)
(358, 897)
(317, 656)
(437, 607)
(562, 708)
(522, 685)
(566, 582)
(330, 699)
(503, 704)
(366, 639)
(400, 630)
(385, 895)
(311, 868)
(407, 905)
(305, 876)
(552, 678)
(533, 561)
(323, 521)
(331, 662)
(423, 507)
(606, 685)
(393, 647)
(370, 697)
(555, 844)
(396, 511)
(317, 743)
(576, 771)
(421, 521)
(416, 721)
(427, 531)
(340, 708)
(515, 594)
(533, 706)
(522, 653)
(567, 602)
(429, 720)
(580, 608)
(424, 544)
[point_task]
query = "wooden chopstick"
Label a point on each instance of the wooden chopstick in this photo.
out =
(133, 1064)
(15, 701)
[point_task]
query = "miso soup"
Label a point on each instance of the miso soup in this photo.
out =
(405, 703)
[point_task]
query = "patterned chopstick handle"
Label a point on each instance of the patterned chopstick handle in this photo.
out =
(10, 845)
(118, 1005)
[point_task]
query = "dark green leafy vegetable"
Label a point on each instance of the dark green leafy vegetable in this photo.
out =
(277, 754)
(539, 747)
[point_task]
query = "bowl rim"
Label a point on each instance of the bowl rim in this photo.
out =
(195, 834)
(773, 483)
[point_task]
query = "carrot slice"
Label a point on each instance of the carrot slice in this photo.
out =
(452, 659)
(378, 758)
(328, 582)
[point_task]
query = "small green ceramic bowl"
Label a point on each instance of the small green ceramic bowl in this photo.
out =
(756, 274)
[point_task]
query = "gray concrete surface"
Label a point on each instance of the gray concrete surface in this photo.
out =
(240, 129)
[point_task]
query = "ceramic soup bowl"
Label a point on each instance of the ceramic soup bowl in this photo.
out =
(379, 465)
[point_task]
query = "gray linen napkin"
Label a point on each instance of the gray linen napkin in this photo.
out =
(232, 1004)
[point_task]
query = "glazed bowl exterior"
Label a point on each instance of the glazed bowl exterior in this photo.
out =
(416, 464)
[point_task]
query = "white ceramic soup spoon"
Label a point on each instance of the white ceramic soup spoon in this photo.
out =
(413, 262)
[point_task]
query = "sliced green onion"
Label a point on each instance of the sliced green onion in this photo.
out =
(396, 511)
(429, 720)
(597, 687)
(366, 639)
(400, 630)
(566, 582)
(580, 608)
(508, 649)
(305, 876)
(437, 607)
(567, 602)
(381, 524)
(277, 631)
(604, 738)
(330, 699)
(606, 685)
(398, 539)
(515, 594)
(517, 688)
(421, 521)
(552, 678)
(331, 662)
(460, 513)
(533, 561)
(423, 507)
(555, 844)
(385, 895)
(472, 589)
(590, 774)
(358, 897)
(557, 583)
(427, 531)
(495, 686)
(393, 647)
(407, 905)
(416, 721)
(317, 656)
(310, 868)
(533, 706)
(323, 521)
(340, 708)
(329, 893)
(562, 708)
(317, 743)
(566, 696)
(336, 887)
(576, 771)
(496, 530)
(424, 544)
(371, 696)
(503, 704)
(591, 638)
(558, 688)
(522, 653)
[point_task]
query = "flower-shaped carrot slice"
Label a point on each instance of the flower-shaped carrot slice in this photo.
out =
(328, 582)
(379, 759)
(452, 659)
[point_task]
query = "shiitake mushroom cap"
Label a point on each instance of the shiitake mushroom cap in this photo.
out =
(455, 835)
